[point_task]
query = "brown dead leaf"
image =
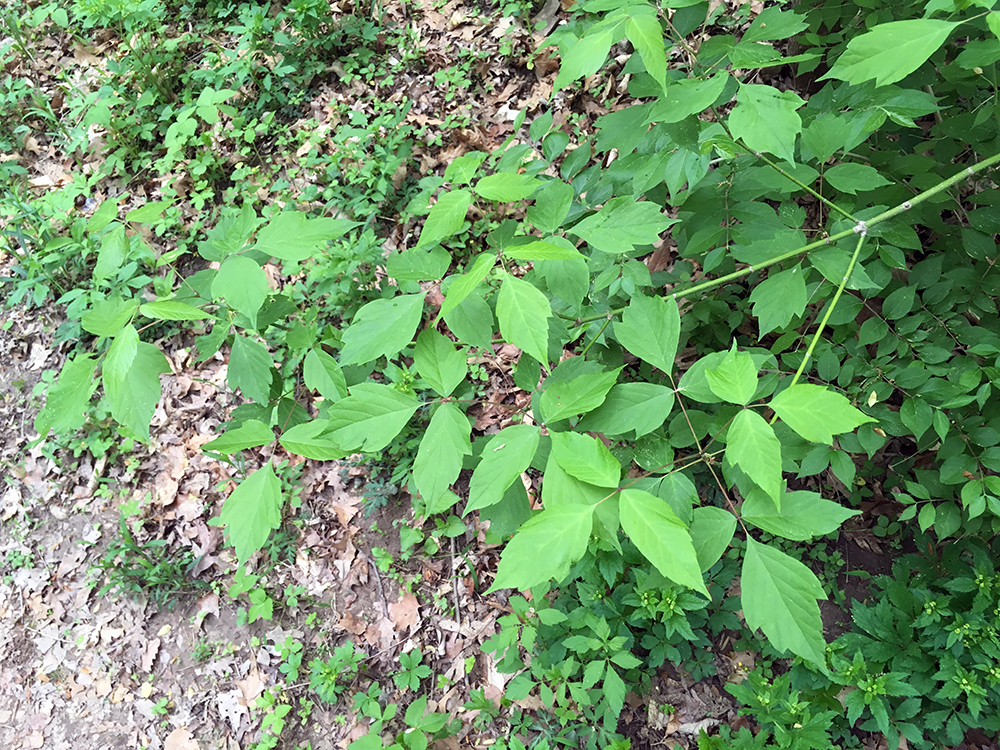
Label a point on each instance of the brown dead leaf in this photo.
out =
(149, 655)
(352, 624)
(181, 739)
(405, 613)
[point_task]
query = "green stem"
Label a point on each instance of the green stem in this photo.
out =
(861, 228)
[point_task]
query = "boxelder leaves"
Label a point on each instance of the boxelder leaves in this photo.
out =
(890, 51)
(545, 547)
(630, 406)
(322, 373)
(251, 434)
(712, 530)
(504, 458)
(439, 362)
(766, 120)
(803, 514)
(539, 250)
(734, 379)
(778, 299)
(622, 223)
(243, 284)
(779, 596)
(585, 458)
(370, 417)
(292, 235)
(584, 57)
(551, 206)
(439, 457)
(66, 402)
(107, 317)
(252, 512)
(382, 328)
(646, 35)
(649, 329)
(753, 446)
(661, 537)
(134, 393)
(250, 369)
(506, 187)
(852, 178)
(466, 284)
(816, 413)
(523, 313)
(172, 310)
(577, 395)
(446, 217)
(310, 439)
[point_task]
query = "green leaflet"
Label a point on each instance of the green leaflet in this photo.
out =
(439, 362)
(649, 329)
(545, 547)
(310, 439)
(585, 458)
(803, 514)
(292, 235)
(121, 353)
(66, 402)
(506, 187)
(817, 413)
(686, 97)
(446, 218)
(734, 379)
(584, 57)
(466, 284)
(852, 178)
(461, 169)
(523, 313)
(765, 119)
(382, 328)
(505, 457)
(622, 223)
(661, 537)
(890, 51)
(114, 249)
(779, 596)
(641, 407)
(103, 216)
(646, 35)
(322, 373)
(250, 369)
(753, 446)
(243, 284)
(370, 417)
(252, 512)
(539, 250)
(250, 434)
(778, 299)
(171, 310)
(135, 391)
(472, 322)
(108, 316)
(153, 209)
(419, 265)
(578, 395)
(551, 206)
(440, 455)
(712, 530)
(773, 23)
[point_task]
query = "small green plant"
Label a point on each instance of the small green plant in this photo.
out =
(412, 671)
(148, 568)
(421, 728)
(332, 677)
